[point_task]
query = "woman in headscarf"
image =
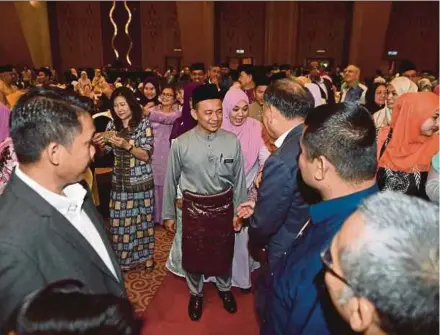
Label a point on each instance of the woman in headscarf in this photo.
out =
(395, 89)
(425, 85)
(150, 93)
(406, 148)
(4, 122)
(84, 84)
(375, 97)
(249, 131)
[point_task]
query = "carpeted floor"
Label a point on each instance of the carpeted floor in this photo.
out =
(162, 298)
(167, 312)
(143, 285)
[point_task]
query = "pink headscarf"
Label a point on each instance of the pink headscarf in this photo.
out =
(4, 122)
(249, 133)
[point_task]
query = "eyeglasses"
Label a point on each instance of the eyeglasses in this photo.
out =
(167, 95)
(327, 260)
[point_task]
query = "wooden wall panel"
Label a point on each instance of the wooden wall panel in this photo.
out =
(79, 26)
(281, 43)
(414, 32)
(160, 32)
(323, 25)
(13, 46)
(367, 41)
(196, 24)
(241, 25)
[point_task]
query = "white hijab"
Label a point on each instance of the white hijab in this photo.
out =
(402, 85)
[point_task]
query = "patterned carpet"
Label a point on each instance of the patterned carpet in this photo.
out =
(143, 285)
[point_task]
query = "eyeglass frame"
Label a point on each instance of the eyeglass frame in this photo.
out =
(168, 95)
(326, 258)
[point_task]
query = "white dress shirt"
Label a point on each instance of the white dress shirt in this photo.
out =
(280, 140)
(71, 207)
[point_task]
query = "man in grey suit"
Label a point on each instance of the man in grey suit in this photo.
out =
(49, 227)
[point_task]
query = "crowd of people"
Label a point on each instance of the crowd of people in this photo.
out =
(327, 185)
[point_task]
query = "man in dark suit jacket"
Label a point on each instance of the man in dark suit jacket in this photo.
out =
(280, 211)
(49, 227)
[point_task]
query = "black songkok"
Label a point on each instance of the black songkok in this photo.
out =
(205, 92)
(198, 66)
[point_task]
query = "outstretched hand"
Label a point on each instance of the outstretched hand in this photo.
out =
(246, 209)
(237, 223)
(170, 225)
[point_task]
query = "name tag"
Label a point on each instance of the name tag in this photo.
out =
(228, 161)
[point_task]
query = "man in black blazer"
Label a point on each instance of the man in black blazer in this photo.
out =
(49, 227)
(280, 211)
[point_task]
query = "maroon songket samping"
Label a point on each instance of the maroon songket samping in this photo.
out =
(207, 233)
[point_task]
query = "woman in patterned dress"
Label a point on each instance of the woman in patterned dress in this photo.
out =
(131, 197)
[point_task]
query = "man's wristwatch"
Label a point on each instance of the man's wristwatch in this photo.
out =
(131, 148)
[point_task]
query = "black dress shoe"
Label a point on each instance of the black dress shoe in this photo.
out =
(229, 303)
(246, 290)
(195, 308)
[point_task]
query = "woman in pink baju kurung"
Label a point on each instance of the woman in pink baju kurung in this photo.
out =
(162, 118)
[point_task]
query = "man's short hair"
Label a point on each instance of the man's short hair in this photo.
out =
(46, 71)
(262, 81)
(395, 263)
(41, 116)
(285, 67)
(346, 136)
(406, 65)
(198, 67)
(246, 68)
(290, 98)
(278, 76)
(64, 307)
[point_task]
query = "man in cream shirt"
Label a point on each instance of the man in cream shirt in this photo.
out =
(50, 229)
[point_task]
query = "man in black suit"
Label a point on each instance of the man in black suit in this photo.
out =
(280, 211)
(49, 227)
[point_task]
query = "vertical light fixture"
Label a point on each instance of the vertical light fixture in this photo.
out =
(115, 29)
(127, 25)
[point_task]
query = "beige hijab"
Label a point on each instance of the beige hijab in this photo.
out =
(402, 85)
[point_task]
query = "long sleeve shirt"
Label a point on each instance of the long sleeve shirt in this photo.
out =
(204, 164)
(297, 301)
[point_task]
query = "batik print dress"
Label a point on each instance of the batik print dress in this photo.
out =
(132, 200)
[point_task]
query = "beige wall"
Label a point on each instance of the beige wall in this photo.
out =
(35, 27)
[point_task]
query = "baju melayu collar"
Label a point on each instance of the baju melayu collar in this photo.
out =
(201, 135)
(298, 302)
